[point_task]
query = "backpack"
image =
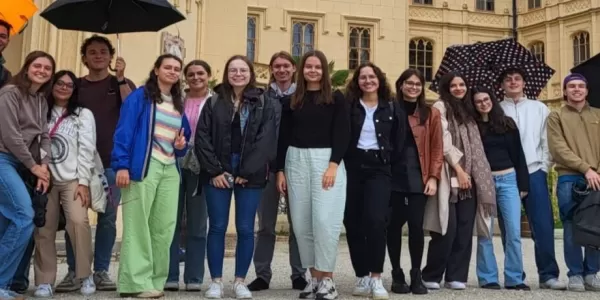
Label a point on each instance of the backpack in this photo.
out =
(586, 224)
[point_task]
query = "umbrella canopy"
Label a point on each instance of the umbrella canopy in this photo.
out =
(17, 13)
(482, 64)
(112, 16)
(590, 69)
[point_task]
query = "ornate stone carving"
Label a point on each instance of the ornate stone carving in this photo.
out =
(534, 17)
(465, 6)
(262, 72)
(425, 13)
(486, 19)
(445, 4)
(577, 6)
(173, 44)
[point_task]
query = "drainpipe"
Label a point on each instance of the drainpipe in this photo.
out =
(514, 19)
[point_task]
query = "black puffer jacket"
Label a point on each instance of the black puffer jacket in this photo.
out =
(213, 138)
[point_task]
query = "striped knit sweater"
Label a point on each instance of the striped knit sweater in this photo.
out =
(166, 128)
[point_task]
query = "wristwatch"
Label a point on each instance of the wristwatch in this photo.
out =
(122, 82)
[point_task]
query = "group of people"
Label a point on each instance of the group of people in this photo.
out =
(362, 158)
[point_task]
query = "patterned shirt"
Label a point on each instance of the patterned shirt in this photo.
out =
(166, 128)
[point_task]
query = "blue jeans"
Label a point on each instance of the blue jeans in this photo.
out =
(20, 280)
(16, 218)
(218, 202)
(509, 209)
(574, 258)
(106, 229)
(195, 231)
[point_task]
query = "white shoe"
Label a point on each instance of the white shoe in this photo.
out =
(378, 291)
(43, 291)
(88, 287)
(553, 284)
(576, 284)
(431, 285)
(455, 285)
(327, 290)
(592, 282)
(362, 287)
(215, 290)
(310, 291)
(193, 287)
(241, 291)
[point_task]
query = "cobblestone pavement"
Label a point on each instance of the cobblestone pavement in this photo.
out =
(281, 285)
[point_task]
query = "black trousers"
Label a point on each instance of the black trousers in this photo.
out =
(366, 214)
(406, 208)
(451, 253)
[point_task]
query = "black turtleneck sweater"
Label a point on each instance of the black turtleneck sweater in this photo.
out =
(410, 107)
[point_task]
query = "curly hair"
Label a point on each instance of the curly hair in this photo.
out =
(353, 91)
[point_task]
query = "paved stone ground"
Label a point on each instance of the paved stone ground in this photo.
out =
(280, 286)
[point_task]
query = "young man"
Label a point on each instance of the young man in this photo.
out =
(530, 116)
(102, 93)
(4, 40)
(574, 142)
(283, 69)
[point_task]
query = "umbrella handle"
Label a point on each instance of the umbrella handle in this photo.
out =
(118, 54)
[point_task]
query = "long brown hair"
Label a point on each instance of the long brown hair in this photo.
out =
(285, 55)
(226, 89)
(422, 107)
(22, 82)
(325, 95)
(353, 91)
(152, 90)
(499, 122)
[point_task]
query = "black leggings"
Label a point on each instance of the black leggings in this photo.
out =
(406, 208)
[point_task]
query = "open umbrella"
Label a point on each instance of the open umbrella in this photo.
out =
(112, 16)
(590, 69)
(17, 13)
(483, 63)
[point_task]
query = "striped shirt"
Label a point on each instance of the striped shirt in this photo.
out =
(166, 128)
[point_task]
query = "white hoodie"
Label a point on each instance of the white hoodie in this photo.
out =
(73, 146)
(531, 116)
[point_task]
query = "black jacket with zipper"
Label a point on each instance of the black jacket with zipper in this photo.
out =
(213, 138)
(389, 127)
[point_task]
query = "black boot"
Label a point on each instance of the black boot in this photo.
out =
(416, 283)
(399, 285)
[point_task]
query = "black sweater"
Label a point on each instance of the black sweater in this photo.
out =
(315, 126)
(504, 151)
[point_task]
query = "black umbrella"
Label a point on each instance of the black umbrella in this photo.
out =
(590, 69)
(483, 63)
(112, 16)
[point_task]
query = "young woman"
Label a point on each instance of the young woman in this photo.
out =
(282, 86)
(234, 143)
(464, 186)
(152, 131)
(314, 136)
(377, 128)
(415, 177)
(72, 130)
(24, 151)
(502, 145)
(192, 201)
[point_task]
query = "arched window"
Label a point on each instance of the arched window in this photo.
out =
(359, 45)
(537, 49)
(420, 57)
(251, 38)
(303, 37)
(581, 47)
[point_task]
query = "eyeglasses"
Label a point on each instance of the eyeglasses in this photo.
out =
(60, 84)
(413, 84)
(241, 71)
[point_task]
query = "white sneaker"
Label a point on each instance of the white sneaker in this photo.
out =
(327, 290)
(362, 287)
(553, 284)
(576, 284)
(431, 285)
(310, 291)
(241, 291)
(43, 291)
(455, 285)
(193, 287)
(88, 287)
(592, 282)
(215, 290)
(378, 292)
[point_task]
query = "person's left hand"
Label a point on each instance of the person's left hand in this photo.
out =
(83, 193)
(329, 177)
(42, 186)
(240, 181)
(120, 68)
(180, 140)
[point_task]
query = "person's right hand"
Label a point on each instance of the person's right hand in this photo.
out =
(281, 183)
(42, 186)
(593, 179)
(122, 178)
(464, 180)
(220, 181)
(40, 172)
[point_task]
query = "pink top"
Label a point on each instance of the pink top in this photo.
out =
(193, 107)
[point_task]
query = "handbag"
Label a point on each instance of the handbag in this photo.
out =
(190, 162)
(98, 187)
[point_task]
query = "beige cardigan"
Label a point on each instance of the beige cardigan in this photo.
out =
(437, 207)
